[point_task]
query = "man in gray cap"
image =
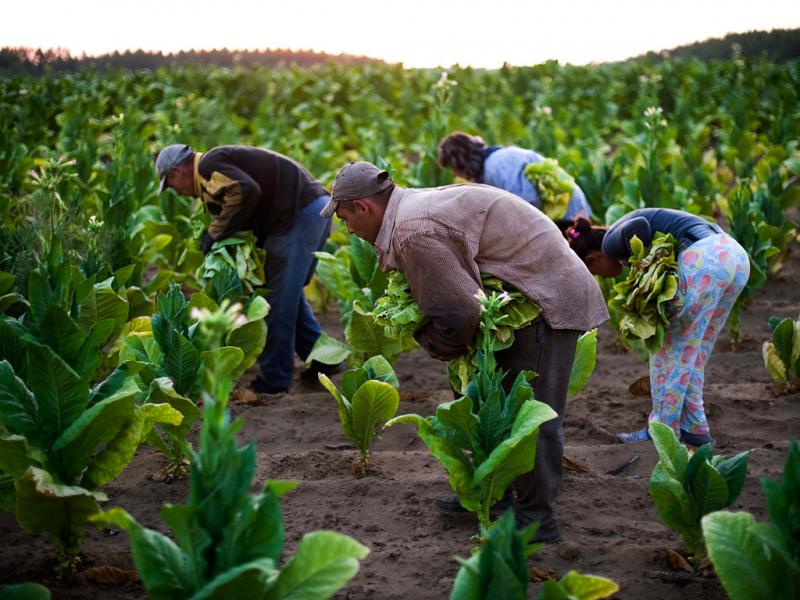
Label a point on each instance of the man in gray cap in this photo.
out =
(276, 198)
(443, 239)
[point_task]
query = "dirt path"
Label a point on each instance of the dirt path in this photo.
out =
(609, 525)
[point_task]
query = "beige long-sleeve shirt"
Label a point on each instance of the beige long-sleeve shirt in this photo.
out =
(444, 238)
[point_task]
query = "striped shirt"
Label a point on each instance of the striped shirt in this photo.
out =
(444, 238)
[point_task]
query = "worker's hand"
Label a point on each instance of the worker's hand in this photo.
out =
(206, 242)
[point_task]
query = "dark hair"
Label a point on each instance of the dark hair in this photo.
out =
(463, 153)
(584, 238)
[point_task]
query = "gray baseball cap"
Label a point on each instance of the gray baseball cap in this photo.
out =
(354, 181)
(168, 158)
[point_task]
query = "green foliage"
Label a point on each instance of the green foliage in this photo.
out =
(584, 362)
(554, 185)
(760, 561)
(61, 440)
(782, 353)
(486, 438)
(369, 398)
(684, 489)
(499, 570)
(645, 297)
(397, 311)
(230, 541)
(749, 227)
(25, 591)
(238, 253)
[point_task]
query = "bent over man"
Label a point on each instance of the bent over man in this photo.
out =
(443, 239)
(276, 198)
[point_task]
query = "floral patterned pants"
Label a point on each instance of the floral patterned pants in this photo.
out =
(712, 272)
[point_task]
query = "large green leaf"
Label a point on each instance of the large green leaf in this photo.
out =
(108, 464)
(734, 471)
(165, 569)
(60, 393)
(16, 455)
(25, 591)
(181, 361)
(91, 352)
(584, 362)
(58, 331)
(329, 351)
(708, 489)
(60, 511)
(516, 454)
(461, 422)
(379, 368)
(671, 452)
(323, 564)
(104, 303)
(367, 338)
(19, 410)
(242, 581)
(95, 427)
(251, 339)
(221, 362)
(374, 403)
(746, 567)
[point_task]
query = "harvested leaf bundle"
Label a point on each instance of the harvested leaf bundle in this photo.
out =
(400, 316)
(554, 185)
(240, 253)
(644, 296)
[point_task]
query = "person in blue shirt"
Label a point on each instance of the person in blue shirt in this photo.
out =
(712, 270)
(503, 167)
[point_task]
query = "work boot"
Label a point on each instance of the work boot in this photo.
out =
(450, 505)
(547, 532)
(259, 386)
(696, 439)
(310, 375)
(637, 436)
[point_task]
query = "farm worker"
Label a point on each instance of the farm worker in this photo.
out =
(443, 239)
(470, 158)
(712, 270)
(275, 197)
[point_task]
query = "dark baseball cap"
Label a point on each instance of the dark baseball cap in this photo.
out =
(169, 157)
(354, 181)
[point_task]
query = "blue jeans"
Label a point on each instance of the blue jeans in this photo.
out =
(290, 264)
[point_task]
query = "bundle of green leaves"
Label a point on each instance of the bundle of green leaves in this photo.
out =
(684, 489)
(486, 438)
(240, 253)
(499, 569)
(229, 541)
(554, 185)
(369, 398)
(400, 315)
(645, 297)
(782, 353)
(760, 561)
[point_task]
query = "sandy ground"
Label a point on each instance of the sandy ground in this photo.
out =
(609, 524)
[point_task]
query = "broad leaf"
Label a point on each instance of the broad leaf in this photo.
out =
(374, 403)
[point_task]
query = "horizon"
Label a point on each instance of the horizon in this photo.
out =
(418, 35)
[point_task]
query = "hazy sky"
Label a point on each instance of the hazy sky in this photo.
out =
(482, 33)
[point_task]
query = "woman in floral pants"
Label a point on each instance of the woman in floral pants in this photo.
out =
(713, 269)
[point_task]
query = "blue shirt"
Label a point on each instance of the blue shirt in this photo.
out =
(504, 168)
(643, 223)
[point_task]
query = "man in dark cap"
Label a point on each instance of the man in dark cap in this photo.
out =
(276, 198)
(443, 239)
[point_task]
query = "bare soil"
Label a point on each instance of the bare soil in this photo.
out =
(609, 524)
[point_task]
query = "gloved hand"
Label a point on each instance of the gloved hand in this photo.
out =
(206, 242)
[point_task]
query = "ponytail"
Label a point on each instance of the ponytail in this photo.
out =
(584, 238)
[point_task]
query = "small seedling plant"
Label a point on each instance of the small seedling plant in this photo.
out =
(369, 397)
(486, 438)
(782, 354)
(760, 561)
(499, 569)
(685, 489)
